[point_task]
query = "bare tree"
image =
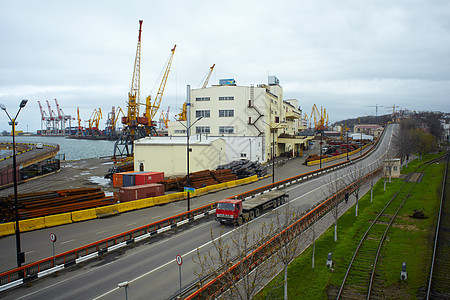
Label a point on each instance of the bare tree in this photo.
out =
(289, 238)
(372, 175)
(231, 263)
(357, 182)
(335, 185)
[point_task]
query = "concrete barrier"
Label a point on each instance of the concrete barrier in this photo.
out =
(59, 219)
(127, 206)
(160, 200)
(231, 184)
(201, 191)
(7, 228)
(31, 224)
(105, 211)
(146, 202)
(83, 215)
(175, 196)
(253, 178)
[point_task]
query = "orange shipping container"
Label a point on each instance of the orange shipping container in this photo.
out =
(131, 193)
(148, 177)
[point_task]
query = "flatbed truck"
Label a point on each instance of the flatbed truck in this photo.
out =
(234, 211)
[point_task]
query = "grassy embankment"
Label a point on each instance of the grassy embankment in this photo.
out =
(408, 241)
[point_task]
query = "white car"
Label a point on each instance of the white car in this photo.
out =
(39, 146)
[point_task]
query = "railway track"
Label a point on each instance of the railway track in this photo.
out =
(439, 279)
(363, 277)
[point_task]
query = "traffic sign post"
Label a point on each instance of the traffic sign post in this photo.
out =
(179, 262)
(53, 239)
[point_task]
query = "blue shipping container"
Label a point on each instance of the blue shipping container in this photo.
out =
(128, 179)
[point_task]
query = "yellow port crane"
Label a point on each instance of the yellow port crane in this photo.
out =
(152, 108)
(113, 117)
(94, 120)
(320, 118)
(131, 119)
(164, 119)
(80, 130)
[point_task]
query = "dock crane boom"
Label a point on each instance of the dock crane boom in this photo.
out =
(152, 108)
(205, 83)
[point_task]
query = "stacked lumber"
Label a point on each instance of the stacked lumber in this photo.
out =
(223, 175)
(245, 168)
(173, 184)
(33, 205)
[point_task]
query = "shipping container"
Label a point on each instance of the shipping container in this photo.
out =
(148, 177)
(132, 193)
(129, 178)
(118, 178)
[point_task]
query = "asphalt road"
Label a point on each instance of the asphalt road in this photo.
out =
(151, 268)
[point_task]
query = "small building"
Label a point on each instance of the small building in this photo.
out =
(392, 168)
(169, 154)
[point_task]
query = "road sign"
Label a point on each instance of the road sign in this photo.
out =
(189, 189)
(53, 237)
(179, 260)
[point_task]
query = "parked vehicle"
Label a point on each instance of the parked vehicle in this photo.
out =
(39, 146)
(234, 211)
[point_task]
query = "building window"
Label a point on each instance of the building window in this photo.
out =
(226, 113)
(226, 98)
(179, 131)
(202, 113)
(202, 99)
(226, 129)
(202, 129)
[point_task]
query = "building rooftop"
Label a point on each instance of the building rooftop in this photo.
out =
(176, 140)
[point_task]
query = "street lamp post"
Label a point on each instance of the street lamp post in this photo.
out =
(320, 158)
(188, 150)
(346, 130)
(273, 147)
(360, 151)
(20, 254)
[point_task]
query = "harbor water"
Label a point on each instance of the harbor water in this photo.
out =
(71, 149)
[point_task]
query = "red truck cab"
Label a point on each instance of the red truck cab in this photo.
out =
(228, 210)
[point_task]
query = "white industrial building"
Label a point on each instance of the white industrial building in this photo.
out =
(246, 120)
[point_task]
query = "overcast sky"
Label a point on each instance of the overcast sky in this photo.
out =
(346, 56)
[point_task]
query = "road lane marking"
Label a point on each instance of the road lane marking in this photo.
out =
(69, 241)
(130, 224)
(103, 231)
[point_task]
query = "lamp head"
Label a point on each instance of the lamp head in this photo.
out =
(2, 106)
(23, 103)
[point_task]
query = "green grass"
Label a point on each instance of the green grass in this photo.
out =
(408, 241)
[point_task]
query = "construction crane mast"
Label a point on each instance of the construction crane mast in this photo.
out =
(80, 130)
(134, 94)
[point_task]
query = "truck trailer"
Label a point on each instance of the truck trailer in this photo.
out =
(234, 211)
